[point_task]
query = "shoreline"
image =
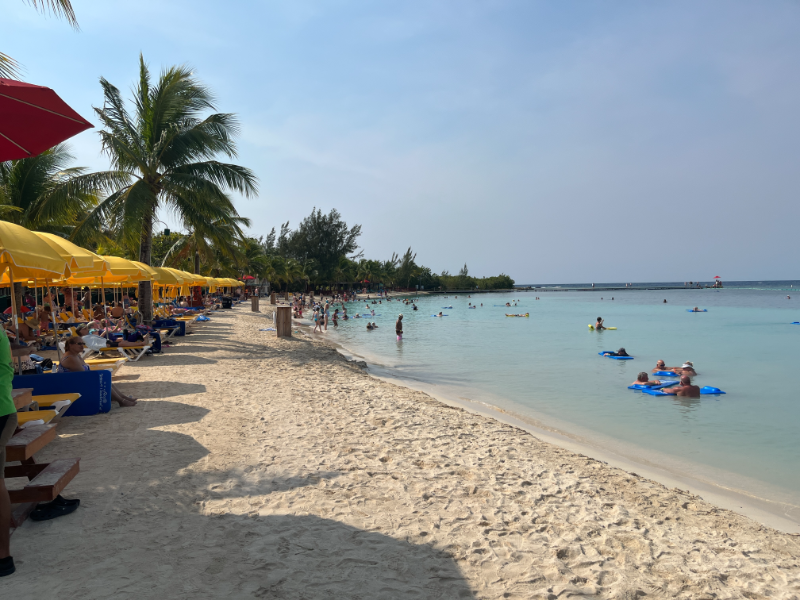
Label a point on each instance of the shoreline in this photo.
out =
(771, 513)
(259, 467)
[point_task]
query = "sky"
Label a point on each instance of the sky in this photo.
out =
(560, 141)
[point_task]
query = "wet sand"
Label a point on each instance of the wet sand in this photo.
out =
(262, 468)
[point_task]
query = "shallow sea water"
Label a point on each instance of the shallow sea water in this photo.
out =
(546, 368)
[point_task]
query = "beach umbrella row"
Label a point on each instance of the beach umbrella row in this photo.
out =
(27, 256)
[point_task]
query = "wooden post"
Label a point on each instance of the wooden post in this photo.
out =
(273, 298)
(254, 304)
(283, 322)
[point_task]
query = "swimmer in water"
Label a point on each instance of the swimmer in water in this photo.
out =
(644, 379)
(661, 366)
(696, 309)
(686, 369)
(599, 325)
(415, 307)
(398, 327)
(369, 327)
(685, 389)
(620, 352)
(440, 314)
(374, 326)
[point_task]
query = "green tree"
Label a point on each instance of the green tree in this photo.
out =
(162, 156)
(324, 238)
(43, 192)
(407, 267)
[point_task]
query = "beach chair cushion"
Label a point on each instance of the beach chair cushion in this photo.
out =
(49, 399)
(34, 415)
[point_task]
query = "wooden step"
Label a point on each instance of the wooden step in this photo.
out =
(46, 480)
(29, 441)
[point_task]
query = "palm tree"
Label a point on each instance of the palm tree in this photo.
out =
(345, 270)
(202, 241)
(9, 68)
(162, 156)
(43, 192)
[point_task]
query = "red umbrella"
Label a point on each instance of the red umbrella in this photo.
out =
(248, 277)
(32, 119)
(717, 277)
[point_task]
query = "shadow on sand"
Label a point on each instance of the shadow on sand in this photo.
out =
(140, 532)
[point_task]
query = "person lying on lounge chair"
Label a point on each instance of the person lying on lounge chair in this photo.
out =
(72, 362)
(84, 333)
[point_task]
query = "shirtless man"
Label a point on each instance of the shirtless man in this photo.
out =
(644, 379)
(599, 325)
(661, 366)
(685, 389)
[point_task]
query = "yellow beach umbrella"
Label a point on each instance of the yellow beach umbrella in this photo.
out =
(81, 261)
(147, 269)
(28, 255)
(25, 256)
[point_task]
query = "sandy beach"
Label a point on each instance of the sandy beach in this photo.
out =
(255, 467)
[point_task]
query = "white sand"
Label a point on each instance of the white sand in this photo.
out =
(265, 468)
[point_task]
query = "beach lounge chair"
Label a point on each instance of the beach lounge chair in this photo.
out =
(35, 415)
(132, 353)
(48, 401)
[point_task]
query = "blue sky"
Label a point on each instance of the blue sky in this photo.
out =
(555, 141)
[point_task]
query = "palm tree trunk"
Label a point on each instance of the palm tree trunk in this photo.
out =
(145, 253)
(196, 262)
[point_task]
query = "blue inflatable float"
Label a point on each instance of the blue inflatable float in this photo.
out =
(666, 384)
(705, 391)
(604, 353)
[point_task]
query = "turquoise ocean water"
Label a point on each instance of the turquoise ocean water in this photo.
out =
(546, 368)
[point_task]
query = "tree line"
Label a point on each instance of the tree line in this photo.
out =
(166, 149)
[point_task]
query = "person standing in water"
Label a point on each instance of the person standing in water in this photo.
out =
(398, 327)
(599, 325)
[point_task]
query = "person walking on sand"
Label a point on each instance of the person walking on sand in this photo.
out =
(398, 327)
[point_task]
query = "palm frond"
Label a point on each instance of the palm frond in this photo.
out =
(60, 8)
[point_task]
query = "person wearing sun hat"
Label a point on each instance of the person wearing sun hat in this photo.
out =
(686, 368)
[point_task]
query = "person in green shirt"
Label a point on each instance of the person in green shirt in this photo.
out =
(8, 424)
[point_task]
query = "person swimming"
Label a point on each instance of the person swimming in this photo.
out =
(685, 389)
(686, 368)
(644, 379)
(440, 314)
(620, 352)
(662, 366)
(599, 325)
(369, 327)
